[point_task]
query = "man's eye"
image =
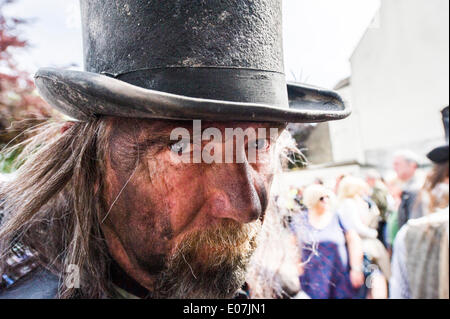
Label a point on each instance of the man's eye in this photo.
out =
(260, 144)
(180, 147)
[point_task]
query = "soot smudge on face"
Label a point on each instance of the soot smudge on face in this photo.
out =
(153, 264)
(263, 196)
(167, 231)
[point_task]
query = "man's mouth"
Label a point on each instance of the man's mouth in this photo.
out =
(225, 241)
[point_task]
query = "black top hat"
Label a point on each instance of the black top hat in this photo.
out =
(439, 155)
(184, 59)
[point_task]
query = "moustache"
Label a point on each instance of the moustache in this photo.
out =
(217, 245)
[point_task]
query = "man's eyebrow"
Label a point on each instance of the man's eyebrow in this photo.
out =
(162, 137)
(154, 139)
(157, 138)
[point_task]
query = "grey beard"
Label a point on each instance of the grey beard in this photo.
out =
(220, 283)
(219, 277)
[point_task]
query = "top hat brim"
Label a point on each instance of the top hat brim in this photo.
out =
(84, 96)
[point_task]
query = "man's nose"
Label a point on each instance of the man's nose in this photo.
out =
(231, 193)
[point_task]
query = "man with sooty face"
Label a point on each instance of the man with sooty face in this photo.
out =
(139, 210)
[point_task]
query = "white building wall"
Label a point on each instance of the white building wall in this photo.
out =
(400, 79)
(345, 134)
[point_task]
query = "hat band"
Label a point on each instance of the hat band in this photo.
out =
(225, 84)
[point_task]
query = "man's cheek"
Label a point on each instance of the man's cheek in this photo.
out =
(176, 189)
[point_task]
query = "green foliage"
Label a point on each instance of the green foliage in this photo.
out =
(8, 161)
(296, 161)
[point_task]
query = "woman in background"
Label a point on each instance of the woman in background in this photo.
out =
(434, 195)
(363, 216)
(355, 209)
(331, 253)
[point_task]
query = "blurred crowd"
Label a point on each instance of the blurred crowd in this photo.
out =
(375, 238)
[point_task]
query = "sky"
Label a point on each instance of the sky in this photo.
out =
(319, 36)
